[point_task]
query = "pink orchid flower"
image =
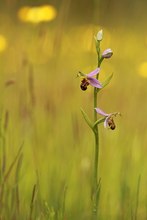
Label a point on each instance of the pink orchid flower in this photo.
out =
(109, 122)
(90, 79)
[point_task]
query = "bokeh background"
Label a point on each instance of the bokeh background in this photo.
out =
(43, 45)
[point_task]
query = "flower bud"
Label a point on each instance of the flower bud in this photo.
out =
(107, 53)
(99, 35)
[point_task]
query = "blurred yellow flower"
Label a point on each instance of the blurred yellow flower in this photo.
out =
(37, 14)
(143, 69)
(3, 43)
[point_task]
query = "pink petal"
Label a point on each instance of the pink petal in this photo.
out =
(106, 122)
(101, 112)
(94, 82)
(93, 73)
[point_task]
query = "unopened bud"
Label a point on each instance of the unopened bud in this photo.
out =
(99, 35)
(107, 53)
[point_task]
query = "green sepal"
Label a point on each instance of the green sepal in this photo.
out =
(99, 121)
(81, 74)
(97, 45)
(90, 124)
(107, 81)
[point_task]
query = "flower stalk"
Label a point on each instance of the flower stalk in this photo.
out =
(96, 179)
(92, 79)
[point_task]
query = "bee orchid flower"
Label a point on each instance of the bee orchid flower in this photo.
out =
(109, 122)
(90, 79)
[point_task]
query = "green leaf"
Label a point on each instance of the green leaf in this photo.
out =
(81, 74)
(99, 121)
(97, 45)
(90, 124)
(107, 81)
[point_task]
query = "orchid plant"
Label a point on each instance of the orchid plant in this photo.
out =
(107, 118)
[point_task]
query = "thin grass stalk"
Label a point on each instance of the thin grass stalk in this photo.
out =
(3, 130)
(63, 203)
(137, 198)
(6, 176)
(3, 151)
(32, 202)
(12, 164)
(17, 198)
(31, 86)
(5, 126)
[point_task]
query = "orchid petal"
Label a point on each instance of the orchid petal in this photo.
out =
(93, 73)
(94, 82)
(101, 112)
(106, 122)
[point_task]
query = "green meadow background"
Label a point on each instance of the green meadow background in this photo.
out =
(46, 148)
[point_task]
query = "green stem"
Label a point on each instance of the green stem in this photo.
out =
(96, 181)
(96, 162)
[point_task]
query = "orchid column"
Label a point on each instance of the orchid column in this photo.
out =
(92, 79)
